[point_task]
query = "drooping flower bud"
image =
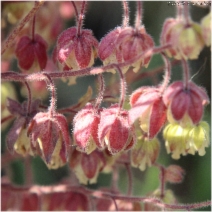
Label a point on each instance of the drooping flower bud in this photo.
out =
(174, 174)
(186, 39)
(132, 42)
(145, 153)
(115, 130)
(75, 51)
(147, 104)
(186, 140)
(206, 29)
(52, 135)
(185, 104)
(85, 131)
(107, 50)
(31, 53)
(87, 167)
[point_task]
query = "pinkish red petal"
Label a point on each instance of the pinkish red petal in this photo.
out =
(89, 164)
(180, 104)
(157, 118)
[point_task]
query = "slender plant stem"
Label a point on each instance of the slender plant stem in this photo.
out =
(99, 194)
(130, 181)
(29, 98)
(28, 171)
(179, 9)
(18, 29)
(167, 74)
(6, 118)
(76, 11)
(122, 88)
(13, 76)
(125, 21)
(101, 91)
(186, 73)
(81, 18)
(115, 204)
(138, 18)
(186, 13)
(33, 28)
(52, 106)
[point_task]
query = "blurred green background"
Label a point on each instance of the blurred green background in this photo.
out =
(102, 17)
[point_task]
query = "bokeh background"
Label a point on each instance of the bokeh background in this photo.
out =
(102, 17)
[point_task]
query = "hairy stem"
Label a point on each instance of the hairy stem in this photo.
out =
(33, 28)
(13, 76)
(18, 29)
(187, 13)
(130, 180)
(29, 98)
(101, 91)
(99, 194)
(51, 85)
(76, 11)
(125, 21)
(28, 171)
(167, 74)
(6, 118)
(81, 18)
(186, 73)
(138, 18)
(122, 88)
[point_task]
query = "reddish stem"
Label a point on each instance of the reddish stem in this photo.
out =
(33, 28)
(167, 74)
(18, 29)
(125, 21)
(186, 73)
(6, 118)
(122, 88)
(29, 98)
(130, 181)
(76, 11)
(81, 18)
(52, 106)
(187, 13)
(138, 18)
(101, 91)
(13, 76)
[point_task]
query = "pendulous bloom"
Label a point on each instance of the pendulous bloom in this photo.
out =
(186, 140)
(51, 134)
(185, 104)
(76, 51)
(185, 39)
(31, 53)
(147, 105)
(85, 131)
(115, 130)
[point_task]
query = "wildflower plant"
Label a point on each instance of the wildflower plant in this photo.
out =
(129, 122)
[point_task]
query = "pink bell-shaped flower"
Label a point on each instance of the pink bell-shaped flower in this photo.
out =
(75, 51)
(185, 104)
(31, 53)
(147, 105)
(85, 131)
(115, 130)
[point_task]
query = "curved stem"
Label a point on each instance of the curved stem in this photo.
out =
(101, 91)
(186, 73)
(186, 13)
(18, 29)
(115, 204)
(138, 18)
(33, 28)
(29, 98)
(14, 76)
(130, 181)
(179, 9)
(125, 21)
(52, 106)
(7, 118)
(80, 18)
(76, 11)
(167, 74)
(122, 88)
